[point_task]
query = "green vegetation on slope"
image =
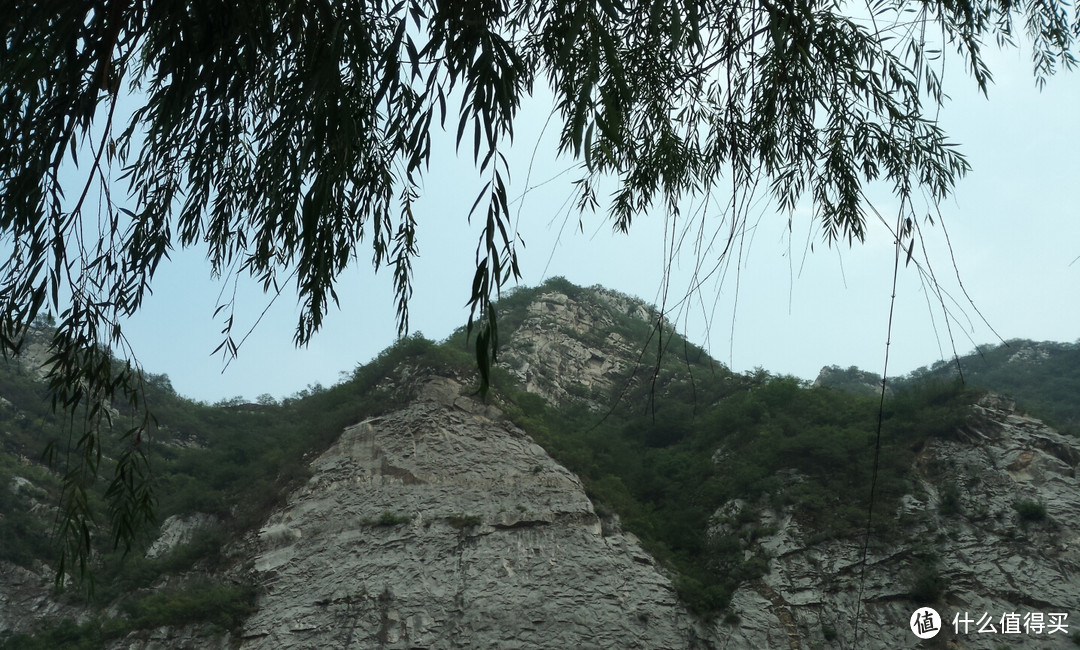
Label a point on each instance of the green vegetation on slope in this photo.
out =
(1043, 377)
(222, 606)
(768, 441)
(687, 438)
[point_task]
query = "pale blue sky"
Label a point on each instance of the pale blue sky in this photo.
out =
(1012, 222)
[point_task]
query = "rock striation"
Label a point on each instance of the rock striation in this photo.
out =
(566, 349)
(991, 528)
(177, 530)
(27, 597)
(444, 526)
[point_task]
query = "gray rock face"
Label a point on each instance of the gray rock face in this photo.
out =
(190, 637)
(178, 530)
(27, 596)
(552, 355)
(964, 525)
(443, 526)
(1030, 352)
(851, 379)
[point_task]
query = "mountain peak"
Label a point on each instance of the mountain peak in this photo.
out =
(590, 345)
(570, 343)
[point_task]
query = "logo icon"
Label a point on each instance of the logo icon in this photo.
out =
(925, 623)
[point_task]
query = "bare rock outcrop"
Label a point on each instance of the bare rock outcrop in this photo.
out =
(177, 530)
(991, 527)
(566, 350)
(444, 526)
(27, 596)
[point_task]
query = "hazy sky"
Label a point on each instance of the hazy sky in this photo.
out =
(1012, 223)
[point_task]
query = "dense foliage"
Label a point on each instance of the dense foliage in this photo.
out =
(220, 605)
(1044, 377)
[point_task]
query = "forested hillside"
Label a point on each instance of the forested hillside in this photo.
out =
(1043, 376)
(703, 465)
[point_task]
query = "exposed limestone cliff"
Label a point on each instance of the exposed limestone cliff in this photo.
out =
(564, 349)
(443, 526)
(27, 597)
(965, 527)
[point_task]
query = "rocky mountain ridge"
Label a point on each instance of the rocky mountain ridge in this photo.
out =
(439, 523)
(566, 349)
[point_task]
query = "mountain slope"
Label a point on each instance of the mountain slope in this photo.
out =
(1043, 376)
(990, 526)
(443, 526)
(618, 489)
